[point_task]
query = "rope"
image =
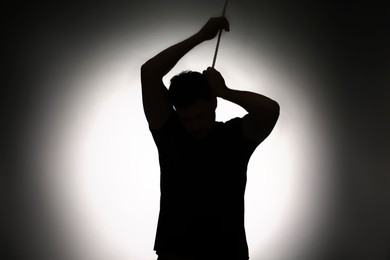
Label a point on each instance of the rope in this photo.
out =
(219, 35)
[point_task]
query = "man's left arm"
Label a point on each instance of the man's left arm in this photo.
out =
(263, 112)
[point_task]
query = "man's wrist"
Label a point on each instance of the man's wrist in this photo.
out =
(225, 93)
(198, 38)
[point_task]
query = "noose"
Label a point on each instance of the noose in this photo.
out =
(219, 35)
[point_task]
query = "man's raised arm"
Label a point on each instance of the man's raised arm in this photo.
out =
(263, 112)
(156, 102)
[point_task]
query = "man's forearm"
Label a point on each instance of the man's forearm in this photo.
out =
(163, 62)
(255, 104)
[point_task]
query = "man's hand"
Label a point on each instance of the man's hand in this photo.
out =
(212, 27)
(216, 81)
(263, 112)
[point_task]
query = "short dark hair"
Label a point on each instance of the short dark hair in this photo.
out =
(187, 88)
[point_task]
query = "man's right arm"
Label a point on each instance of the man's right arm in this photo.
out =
(155, 98)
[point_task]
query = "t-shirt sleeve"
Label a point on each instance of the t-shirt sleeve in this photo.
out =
(234, 127)
(167, 130)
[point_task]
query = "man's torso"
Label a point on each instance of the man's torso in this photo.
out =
(202, 188)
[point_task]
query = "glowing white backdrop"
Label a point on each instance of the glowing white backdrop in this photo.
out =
(100, 164)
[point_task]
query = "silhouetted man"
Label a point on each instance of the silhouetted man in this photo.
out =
(203, 162)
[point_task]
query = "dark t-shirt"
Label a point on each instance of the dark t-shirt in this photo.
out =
(202, 190)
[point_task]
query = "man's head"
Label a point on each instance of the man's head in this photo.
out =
(194, 102)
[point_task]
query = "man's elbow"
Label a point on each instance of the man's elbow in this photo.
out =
(149, 70)
(275, 111)
(144, 69)
(272, 118)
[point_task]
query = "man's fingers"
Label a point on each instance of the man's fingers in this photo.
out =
(224, 23)
(213, 26)
(207, 71)
(212, 70)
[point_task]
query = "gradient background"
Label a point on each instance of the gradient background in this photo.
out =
(80, 169)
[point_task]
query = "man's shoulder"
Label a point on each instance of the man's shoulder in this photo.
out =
(230, 123)
(233, 129)
(234, 120)
(171, 122)
(171, 127)
(229, 128)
